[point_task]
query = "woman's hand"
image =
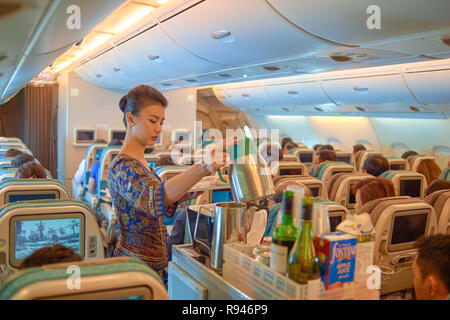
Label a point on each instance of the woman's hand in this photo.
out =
(216, 156)
(189, 196)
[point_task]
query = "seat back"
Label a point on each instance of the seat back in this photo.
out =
(445, 174)
(316, 186)
(336, 212)
(407, 183)
(442, 209)
(284, 169)
(398, 222)
(119, 278)
(362, 156)
(290, 158)
(341, 190)
(106, 157)
(347, 157)
(31, 189)
(398, 164)
(93, 154)
(325, 170)
(417, 160)
(304, 155)
(167, 172)
(28, 226)
(6, 140)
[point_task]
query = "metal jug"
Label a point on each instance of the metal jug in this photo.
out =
(249, 175)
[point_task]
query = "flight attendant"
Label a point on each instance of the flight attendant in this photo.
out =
(140, 198)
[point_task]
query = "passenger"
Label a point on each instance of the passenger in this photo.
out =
(287, 147)
(140, 198)
(31, 170)
(272, 153)
(430, 169)
(317, 147)
(409, 153)
(370, 189)
(285, 141)
(50, 255)
(376, 165)
(164, 161)
(20, 159)
(358, 147)
(326, 147)
(95, 169)
(324, 155)
(78, 177)
(437, 185)
(11, 153)
(431, 268)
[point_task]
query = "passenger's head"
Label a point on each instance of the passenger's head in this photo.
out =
(317, 147)
(20, 159)
(288, 146)
(31, 170)
(325, 155)
(431, 267)
(430, 169)
(437, 185)
(326, 147)
(286, 141)
(376, 165)
(358, 147)
(50, 255)
(11, 153)
(370, 189)
(115, 142)
(280, 188)
(164, 161)
(409, 153)
(144, 109)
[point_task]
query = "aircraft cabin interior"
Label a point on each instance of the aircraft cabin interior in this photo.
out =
(333, 117)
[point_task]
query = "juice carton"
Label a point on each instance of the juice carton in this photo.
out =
(337, 254)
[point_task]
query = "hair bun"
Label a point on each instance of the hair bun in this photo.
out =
(123, 103)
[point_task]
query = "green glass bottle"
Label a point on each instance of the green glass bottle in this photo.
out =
(284, 235)
(304, 264)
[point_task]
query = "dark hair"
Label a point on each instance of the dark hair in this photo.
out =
(317, 147)
(115, 142)
(437, 185)
(326, 147)
(376, 165)
(358, 147)
(164, 161)
(49, 255)
(433, 256)
(326, 155)
(430, 169)
(31, 170)
(409, 153)
(286, 141)
(20, 159)
(138, 98)
(374, 188)
(10, 153)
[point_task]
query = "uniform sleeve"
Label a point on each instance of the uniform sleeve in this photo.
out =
(143, 192)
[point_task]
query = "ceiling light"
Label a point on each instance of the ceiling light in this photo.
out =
(98, 40)
(135, 14)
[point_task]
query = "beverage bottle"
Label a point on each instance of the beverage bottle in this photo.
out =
(304, 264)
(284, 235)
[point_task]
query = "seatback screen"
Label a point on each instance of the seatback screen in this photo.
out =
(85, 135)
(410, 188)
(408, 228)
(291, 172)
(32, 235)
(397, 167)
(31, 197)
(351, 195)
(343, 159)
(221, 196)
(120, 135)
(314, 191)
(306, 157)
(334, 222)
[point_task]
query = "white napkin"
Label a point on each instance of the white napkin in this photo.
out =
(257, 229)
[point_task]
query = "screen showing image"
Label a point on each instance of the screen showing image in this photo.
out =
(397, 167)
(148, 150)
(31, 197)
(98, 153)
(306, 157)
(334, 222)
(314, 191)
(291, 171)
(120, 135)
(343, 159)
(85, 135)
(408, 228)
(222, 196)
(351, 195)
(410, 188)
(36, 234)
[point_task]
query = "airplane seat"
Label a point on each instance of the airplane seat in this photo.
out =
(304, 155)
(341, 191)
(398, 222)
(432, 197)
(357, 159)
(398, 164)
(8, 174)
(442, 209)
(411, 160)
(317, 187)
(7, 140)
(290, 158)
(325, 170)
(330, 183)
(418, 159)
(445, 174)
(30, 225)
(336, 212)
(93, 153)
(363, 155)
(118, 278)
(407, 183)
(15, 190)
(284, 169)
(167, 172)
(343, 156)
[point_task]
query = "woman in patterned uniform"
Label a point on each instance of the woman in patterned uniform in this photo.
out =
(140, 198)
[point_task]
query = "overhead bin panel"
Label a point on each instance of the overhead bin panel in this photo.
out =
(299, 94)
(348, 21)
(148, 57)
(236, 33)
(369, 90)
(429, 83)
(247, 97)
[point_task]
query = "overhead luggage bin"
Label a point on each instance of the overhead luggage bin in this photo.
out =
(348, 23)
(245, 97)
(239, 33)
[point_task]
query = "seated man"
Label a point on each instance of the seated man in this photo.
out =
(437, 185)
(431, 268)
(370, 189)
(20, 159)
(317, 147)
(357, 148)
(324, 155)
(326, 147)
(78, 177)
(375, 165)
(11, 153)
(31, 170)
(406, 154)
(49, 255)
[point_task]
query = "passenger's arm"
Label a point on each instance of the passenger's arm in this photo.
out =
(91, 185)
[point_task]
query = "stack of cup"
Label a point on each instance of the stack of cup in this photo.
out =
(299, 193)
(321, 220)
